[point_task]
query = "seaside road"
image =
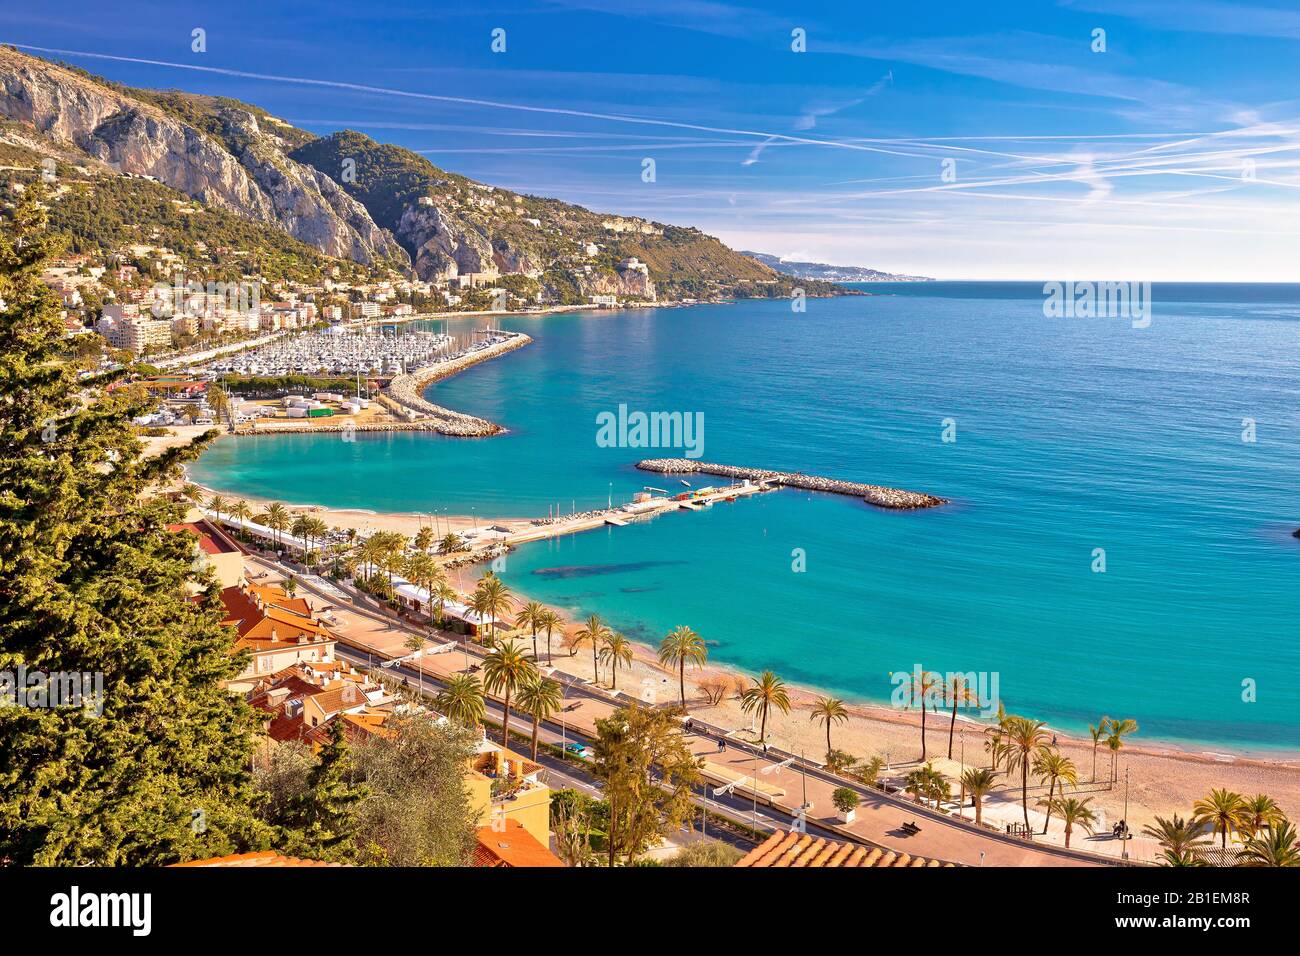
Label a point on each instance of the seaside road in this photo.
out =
(572, 773)
(879, 816)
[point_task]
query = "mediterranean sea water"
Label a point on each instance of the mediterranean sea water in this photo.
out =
(1073, 437)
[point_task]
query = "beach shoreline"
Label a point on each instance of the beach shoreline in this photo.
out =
(409, 523)
(1165, 776)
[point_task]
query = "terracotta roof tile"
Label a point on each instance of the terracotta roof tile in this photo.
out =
(800, 850)
(513, 847)
(265, 858)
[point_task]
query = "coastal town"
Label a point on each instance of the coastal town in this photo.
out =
(364, 564)
(417, 634)
(353, 628)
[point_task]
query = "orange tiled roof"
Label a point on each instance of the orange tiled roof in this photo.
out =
(369, 721)
(799, 849)
(338, 697)
(512, 847)
(265, 858)
(273, 595)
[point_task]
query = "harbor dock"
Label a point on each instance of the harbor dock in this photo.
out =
(878, 495)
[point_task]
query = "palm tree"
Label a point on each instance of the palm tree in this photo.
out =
(478, 602)
(241, 512)
(548, 623)
(1025, 738)
(540, 698)
(371, 552)
(1278, 848)
(682, 646)
(276, 517)
(1052, 765)
(217, 504)
(192, 492)
(505, 670)
(594, 633)
(301, 528)
(617, 650)
(317, 530)
(1178, 838)
(462, 700)
(413, 643)
(768, 693)
(423, 539)
(979, 783)
(442, 593)
(531, 616)
(219, 402)
(926, 782)
(1115, 740)
(1074, 812)
(959, 689)
(496, 601)
(993, 737)
(1262, 813)
(1098, 731)
(1223, 810)
(449, 543)
(919, 683)
(829, 710)
(424, 572)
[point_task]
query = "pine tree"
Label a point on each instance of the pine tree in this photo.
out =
(92, 582)
(324, 821)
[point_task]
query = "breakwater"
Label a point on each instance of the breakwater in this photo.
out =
(334, 427)
(877, 495)
(404, 395)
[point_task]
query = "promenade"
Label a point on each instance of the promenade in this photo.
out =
(371, 632)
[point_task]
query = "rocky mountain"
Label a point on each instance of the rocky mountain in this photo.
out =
(452, 226)
(349, 197)
(243, 170)
(829, 273)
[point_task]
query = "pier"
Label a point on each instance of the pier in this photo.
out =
(878, 495)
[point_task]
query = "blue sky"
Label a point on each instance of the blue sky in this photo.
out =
(1174, 154)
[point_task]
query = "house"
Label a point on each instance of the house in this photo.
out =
(511, 845)
(214, 549)
(504, 786)
(302, 700)
(277, 631)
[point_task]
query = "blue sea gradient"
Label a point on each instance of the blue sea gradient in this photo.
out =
(1072, 435)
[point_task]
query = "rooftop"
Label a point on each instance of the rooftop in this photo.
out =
(799, 849)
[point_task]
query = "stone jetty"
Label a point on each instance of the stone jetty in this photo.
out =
(404, 395)
(876, 495)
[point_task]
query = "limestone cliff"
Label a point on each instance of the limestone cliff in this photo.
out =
(232, 164)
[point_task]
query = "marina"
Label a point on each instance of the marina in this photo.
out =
(341, 351)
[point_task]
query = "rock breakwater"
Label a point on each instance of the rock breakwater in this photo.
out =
(404, 394)
(878, 495)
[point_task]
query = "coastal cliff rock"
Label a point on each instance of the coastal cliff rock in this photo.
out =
(232, 163)
(442, 247)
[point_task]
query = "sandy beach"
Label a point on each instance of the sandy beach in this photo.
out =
(1164, 778)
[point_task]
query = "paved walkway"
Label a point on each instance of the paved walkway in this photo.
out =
(879, 818)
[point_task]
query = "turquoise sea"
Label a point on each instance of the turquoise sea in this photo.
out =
(1071, 435)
